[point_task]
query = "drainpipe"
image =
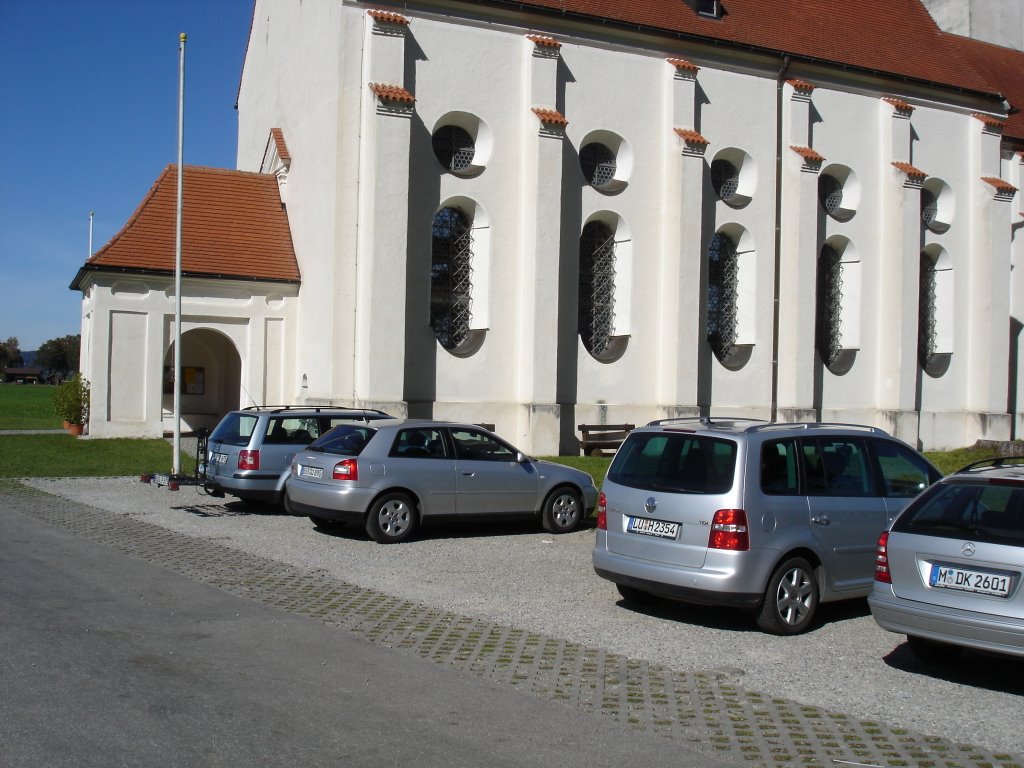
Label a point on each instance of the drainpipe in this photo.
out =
(780, 80)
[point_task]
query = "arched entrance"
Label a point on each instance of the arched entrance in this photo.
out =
(211, 380)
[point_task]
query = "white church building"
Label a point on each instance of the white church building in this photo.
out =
(545, 213)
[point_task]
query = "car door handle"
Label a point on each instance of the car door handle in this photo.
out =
(469, 474)
(820, 520)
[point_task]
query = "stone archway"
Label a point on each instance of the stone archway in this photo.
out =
(211, 379)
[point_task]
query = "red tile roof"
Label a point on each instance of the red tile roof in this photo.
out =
(233, 226)
(910, 170)
(809, 154)
(690, 137)
(552, 116)
(801, 85)
(387, 17)
(683, 64)
(282, 149)
(897, 37)
(544, 41)
(1004, 68)
(392, 93)
(899, 104)
(1001, 186)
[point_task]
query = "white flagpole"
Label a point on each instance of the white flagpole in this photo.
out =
(176, 461)
(91, 214)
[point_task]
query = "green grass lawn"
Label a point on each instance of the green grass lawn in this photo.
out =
(27, 406)
(67, 456)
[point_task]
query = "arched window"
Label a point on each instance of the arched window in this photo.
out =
(597, 288)
(723, 294)
(927, 316)
(451, 277)
(829, 331)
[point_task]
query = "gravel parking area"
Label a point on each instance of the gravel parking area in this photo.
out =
(522, 577)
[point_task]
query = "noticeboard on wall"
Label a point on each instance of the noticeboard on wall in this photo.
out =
(193, 380)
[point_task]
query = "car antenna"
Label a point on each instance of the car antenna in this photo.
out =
(254, 403)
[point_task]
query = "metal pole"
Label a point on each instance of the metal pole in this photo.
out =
(176, 460)
(91, 214)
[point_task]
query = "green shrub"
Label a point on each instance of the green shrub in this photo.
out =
(71, 400)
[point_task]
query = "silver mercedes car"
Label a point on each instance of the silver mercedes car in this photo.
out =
(391, 476)
(948, 573)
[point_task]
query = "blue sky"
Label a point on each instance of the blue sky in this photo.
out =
(88, 119)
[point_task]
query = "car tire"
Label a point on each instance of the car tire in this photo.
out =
(790, 599)
(392, 518)
(563, 511)
(932, 651)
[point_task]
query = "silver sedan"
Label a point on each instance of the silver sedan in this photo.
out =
(391, 476)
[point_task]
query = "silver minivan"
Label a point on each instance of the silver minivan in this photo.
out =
(769, 517)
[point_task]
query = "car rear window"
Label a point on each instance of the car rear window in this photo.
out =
(235, 429)
(981, 511)
(687, 463)
(344, 440)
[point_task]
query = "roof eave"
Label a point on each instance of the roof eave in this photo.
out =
(76, 284)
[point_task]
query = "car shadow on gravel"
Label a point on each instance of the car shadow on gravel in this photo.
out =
(978, 669)
(456, 529)
(736, 620)
(210, 506)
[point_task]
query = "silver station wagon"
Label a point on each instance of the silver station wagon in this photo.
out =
(948, 574)
(768, 517)
(391, 476)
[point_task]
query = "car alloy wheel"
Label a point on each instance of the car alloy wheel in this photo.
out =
(563, 511)
(392, 519)
(790, 600)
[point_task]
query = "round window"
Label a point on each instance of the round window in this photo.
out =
(725, 178)
(598, 164)
(454, 148)
(830, 192)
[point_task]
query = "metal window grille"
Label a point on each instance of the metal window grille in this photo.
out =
(829, 336)
(929, 207)
(451, 278)
(598, 164)
(830, 192)
(454, 148)
(725, 178)
(597, 287)
(723, 295)
(926, 323)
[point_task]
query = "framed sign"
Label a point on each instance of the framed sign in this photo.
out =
(193, 380)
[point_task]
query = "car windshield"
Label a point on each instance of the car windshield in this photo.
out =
(235, 429)
(660, 461)
(987, 511)
(344, 440)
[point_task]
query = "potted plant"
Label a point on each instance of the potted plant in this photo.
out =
(71, 403)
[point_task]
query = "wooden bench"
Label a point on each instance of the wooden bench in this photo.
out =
(597, 437)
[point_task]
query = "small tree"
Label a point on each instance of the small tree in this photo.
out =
(71, 400)
(59, 355)
(10, 355)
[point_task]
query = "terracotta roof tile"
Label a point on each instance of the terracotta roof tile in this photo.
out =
(899, 104)
(1004, 187)
(544, 41)
(282, 149)
(801, 85)
(991, 122)
(910, 170)
(387, 17)
(690, 137)
(898, 37)
(683, 64)
(809, 154)
(1004, 68)
(392, 93)
(233, 226)
(550, 116)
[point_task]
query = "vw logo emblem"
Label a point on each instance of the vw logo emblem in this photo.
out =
(967, 549)
(651, 504)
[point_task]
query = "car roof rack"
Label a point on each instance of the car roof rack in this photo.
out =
(313, 408)
(809, 425)
(992, 461)
(707, 421)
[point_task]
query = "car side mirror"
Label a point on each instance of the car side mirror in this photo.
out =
(522, 458)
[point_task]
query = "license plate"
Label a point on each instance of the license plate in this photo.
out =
(311, 472)
(218, 458)
(980, 582)
(647, 527)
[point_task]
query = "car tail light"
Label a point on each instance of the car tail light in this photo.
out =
(602, 512)
(729, 530)
(882, 560)
(248, 459)
(346, 469)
